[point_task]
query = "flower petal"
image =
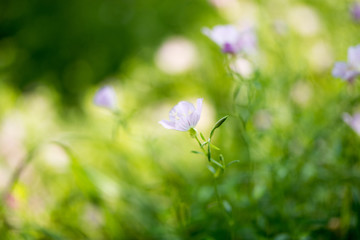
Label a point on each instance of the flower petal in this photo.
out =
(222, 34)
(195, 116)
(353, 121)
(354, 57)
(183, 116)
(344, 71)
(168, 124)
(339, 69)
(184, 108)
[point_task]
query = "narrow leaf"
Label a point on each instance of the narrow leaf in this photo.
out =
(214, 147)
(211, 169)
(202, 137)
(232, 162)
(196, 152)
(217, 163)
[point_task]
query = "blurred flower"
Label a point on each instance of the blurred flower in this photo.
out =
(92, 216)
(301, 93)
(183, 116)
(348, 71)
(243, 67)
(55, 157)
(221, 3)
(280, 27)
(353, 121)
(12, 136)
(355, 11)
(176, 55)
(106, 97)
(262, 120)
(230, 39)
(304, 20)
(320, 56)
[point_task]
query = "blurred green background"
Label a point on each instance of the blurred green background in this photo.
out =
(81, 177)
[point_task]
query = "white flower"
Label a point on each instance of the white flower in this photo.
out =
(231, 40)
(183, 116)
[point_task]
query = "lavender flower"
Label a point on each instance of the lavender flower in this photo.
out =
(349, 70)
(355, 11)
(230, 39)
(184, 116)
(106, 97)
(353, 121)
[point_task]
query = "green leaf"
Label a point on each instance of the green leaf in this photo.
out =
(211, 169)
(232, 162)
(217, 163)
(214, 147)
(202, 137)
(218, 124)
(196, 152)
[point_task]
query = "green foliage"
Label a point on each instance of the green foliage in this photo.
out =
(284, 165)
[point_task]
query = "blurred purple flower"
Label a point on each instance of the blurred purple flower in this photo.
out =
(344, 71)
(106, 97)
(353, 121)
(355, 11)
(230, 39)
(183, 116)
(349, 70)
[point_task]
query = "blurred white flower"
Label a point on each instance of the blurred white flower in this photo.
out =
(262, 120)
(92, 215)
(55, 156)
(320, 56)
(222, 3)
(176, 55)
(183, 116)
(12, 135)
(242, 66)
(304, 20)
(353, 121)
(280, 27)
(301, 93)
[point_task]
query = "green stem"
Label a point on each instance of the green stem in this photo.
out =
(243, 134)
(217, 193)
(201, 146)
